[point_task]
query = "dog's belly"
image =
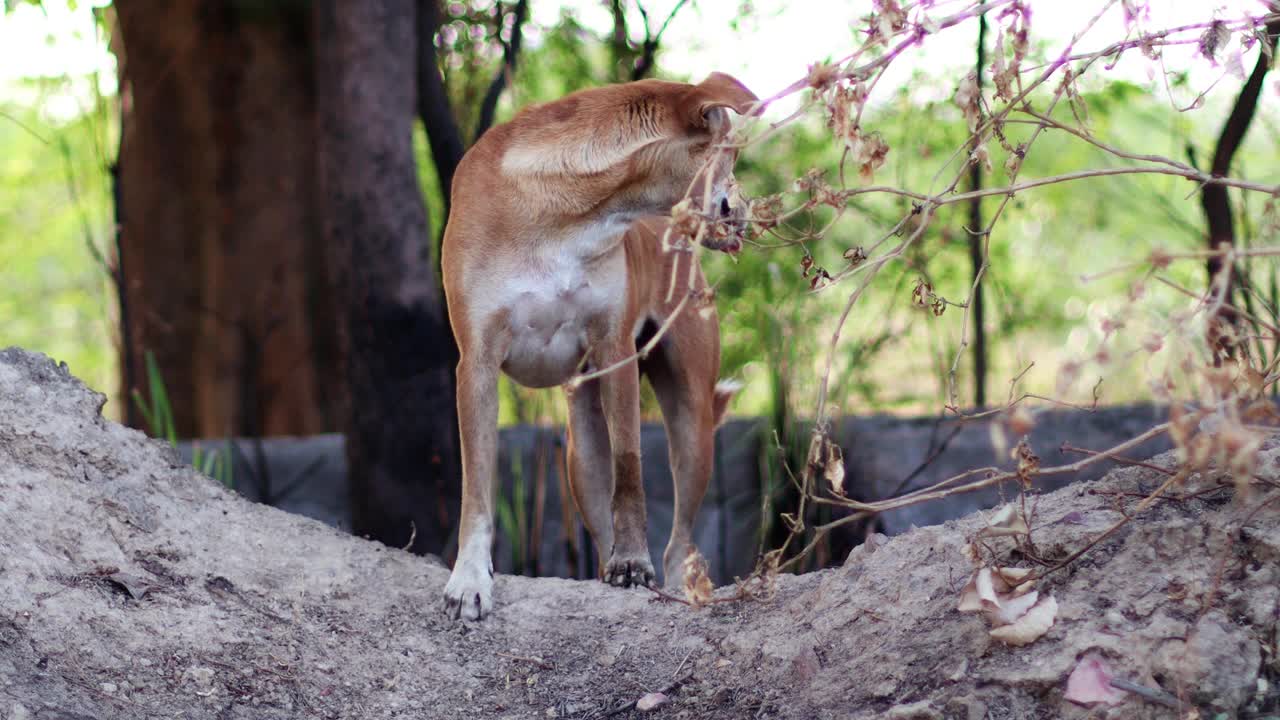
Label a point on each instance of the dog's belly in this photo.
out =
(555, 318)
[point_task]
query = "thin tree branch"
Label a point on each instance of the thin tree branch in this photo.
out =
(1214, 198)
(443, 134)
(510, 56)
(649, 49)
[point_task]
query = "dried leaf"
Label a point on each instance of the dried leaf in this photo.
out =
(834, 470)
(136, 587)
(1006, 521)
(1090, 683)
(1010, 608)
(822, 75)
(920, 295)
(698, 589)
(967, 98)
(1075, 517)
(997, 590)
(650, 701)
(1031, 626)
(1214, 38)
(869, 151)
(1028, 461)
(1012, 577)
(979, 590)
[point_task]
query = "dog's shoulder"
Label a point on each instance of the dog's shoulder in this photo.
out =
(589, 131)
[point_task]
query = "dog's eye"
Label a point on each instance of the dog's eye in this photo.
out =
(724, 207)
(715, 118)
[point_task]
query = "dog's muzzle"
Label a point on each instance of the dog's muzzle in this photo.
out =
(729, 229)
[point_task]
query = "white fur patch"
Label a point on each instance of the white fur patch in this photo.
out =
(727, 387)
(470, 584)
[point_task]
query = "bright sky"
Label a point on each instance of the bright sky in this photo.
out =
(770, 50)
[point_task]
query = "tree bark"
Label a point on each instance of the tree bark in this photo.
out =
(978, 239)
(1215, 199)
(226, 281)
(400, 424)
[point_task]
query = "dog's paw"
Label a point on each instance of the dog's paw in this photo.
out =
(628, 570)
(469, 592)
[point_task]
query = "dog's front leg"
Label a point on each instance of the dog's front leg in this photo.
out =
(629, 562)
(469, 592)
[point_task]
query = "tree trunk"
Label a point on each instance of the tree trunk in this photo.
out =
(227, 282)
(401, 424)
(1217, 202)
(977, 241)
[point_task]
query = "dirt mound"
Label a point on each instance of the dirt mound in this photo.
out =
(133, 587)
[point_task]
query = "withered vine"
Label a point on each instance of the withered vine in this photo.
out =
(1198, 358)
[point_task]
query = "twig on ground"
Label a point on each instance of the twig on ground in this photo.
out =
(529, 659)
(413, 535)
(1158, 697)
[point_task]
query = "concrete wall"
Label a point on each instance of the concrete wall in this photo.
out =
(308, 476)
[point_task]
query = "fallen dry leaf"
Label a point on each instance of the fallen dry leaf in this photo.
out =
(1011, 608)
(1013, 576)
(1006, 521)
(649, 701)
(995, 592)
(136, 587)
(698, 589)
(1090, 683)
(1031, 626)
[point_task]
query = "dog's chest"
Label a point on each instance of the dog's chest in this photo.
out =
(559, 304)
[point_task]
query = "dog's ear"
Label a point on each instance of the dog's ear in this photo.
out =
(706, 102)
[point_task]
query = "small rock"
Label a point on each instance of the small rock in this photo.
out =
(921, 710)
(108, 687)
(651, 701)
(869, 546)
(804, 666)
(967, 708)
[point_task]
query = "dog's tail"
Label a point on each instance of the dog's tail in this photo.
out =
(724, 392)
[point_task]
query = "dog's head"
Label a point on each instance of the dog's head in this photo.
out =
(633, 149)
(713, 192)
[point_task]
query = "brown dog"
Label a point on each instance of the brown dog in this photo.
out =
(544, 279)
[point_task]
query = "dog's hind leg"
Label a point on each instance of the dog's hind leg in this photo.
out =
(682, 371)
(591, 467)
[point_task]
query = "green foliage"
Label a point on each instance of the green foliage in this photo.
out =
(56, 224)
(57, 295)
(157, 412)
(513, 516)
